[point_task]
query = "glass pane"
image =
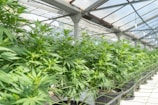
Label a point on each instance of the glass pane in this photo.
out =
(103, 13)
(83, 3)
(122, 16)
(113, 2)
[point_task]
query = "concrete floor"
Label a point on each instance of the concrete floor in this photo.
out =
(146, 95)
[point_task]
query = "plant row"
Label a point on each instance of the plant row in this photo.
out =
(38, 63)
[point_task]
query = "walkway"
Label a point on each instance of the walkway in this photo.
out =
(146, 95)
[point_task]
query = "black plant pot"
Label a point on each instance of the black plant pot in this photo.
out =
(71, 103)
(144, 73)
(144, 78)
(112, 98)
(153, 73)
(149, 76)
(137, 85)
(128, 90)
(144, 81)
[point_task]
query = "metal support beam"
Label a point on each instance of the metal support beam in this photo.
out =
(38, 5)
(94, 6)
(115, 29)
(150, 33)
(97, 20)
(152, 42)
(63, 5)
(135, 43)
(118, 5)
(144, 46)
(76, 12)
(54, 18)
(72, 1)
(132, 36)
(138, 17)
(153, 17)
(76, 19)
(133, 12)
(118, 35)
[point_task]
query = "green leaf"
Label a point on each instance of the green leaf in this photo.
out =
(1, 34)
(6, 49)
(9, 56)
(5, 68)
(31, 101)
(9, 34)
(4, 77)
(19, 50)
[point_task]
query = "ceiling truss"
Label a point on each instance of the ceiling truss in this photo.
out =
(72, 10)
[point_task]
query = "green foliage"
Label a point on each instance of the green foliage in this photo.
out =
(25, 89)
(10, 21)
(42, 61)
(10, 14)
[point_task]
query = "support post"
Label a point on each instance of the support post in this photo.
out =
(118, 35)
(144, 46)
(135, 43)
(76, 19)
(150, 48)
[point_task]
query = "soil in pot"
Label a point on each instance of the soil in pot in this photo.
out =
(128, 89)
(71, 103)
(112, 98)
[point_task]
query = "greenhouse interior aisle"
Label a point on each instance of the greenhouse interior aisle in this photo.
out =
(146, 95)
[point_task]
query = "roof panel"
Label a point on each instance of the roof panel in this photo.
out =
(153, 23)
(83, 4)
(103, 13)
(113, 2)
(152, 4)
(121, 16)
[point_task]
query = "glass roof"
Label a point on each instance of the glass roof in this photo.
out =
(137, 17)
(85, 3)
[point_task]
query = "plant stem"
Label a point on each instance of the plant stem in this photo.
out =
(69, 101)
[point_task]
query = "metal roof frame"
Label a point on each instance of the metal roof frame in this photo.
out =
(150, 33)
(118, 5)
(94, 6)
(138, 17)
(151, 18)
(75, 11)
(65, 6)
(133, 12)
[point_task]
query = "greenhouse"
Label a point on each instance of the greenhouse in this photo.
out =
(78, 52)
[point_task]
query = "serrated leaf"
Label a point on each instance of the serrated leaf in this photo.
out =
(6, 49)
(9, 56)
(9, 34)
(4, 77)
